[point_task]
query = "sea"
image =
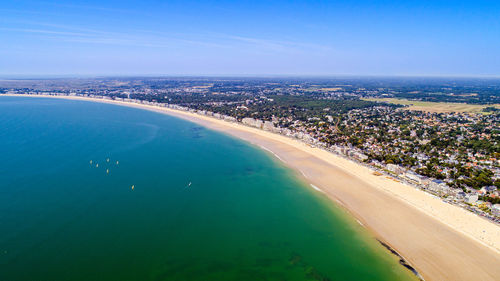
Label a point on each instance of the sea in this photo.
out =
(95, 191)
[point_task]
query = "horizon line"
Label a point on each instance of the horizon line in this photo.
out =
(239, 75)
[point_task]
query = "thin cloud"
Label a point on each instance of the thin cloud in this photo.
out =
(88, 7)
(150, 38)
(62, 26)
(277, 45)
(27, 30)
(108, 38)
(137, 42)
(24, 12)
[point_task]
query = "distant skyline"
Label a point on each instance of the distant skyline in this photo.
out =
(250, 38)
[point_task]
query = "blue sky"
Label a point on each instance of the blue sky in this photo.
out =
(250, 38)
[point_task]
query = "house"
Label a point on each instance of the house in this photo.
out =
(486, 189)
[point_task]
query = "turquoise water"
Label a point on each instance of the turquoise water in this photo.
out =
(204, 206)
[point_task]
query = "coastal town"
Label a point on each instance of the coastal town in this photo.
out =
(451, 155)
(250, 140)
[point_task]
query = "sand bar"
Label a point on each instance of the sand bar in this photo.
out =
(442, 241)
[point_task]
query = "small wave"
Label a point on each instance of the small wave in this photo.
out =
(273, 153)
(316, 188)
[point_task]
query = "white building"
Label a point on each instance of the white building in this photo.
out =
(460, 195)
(416, 178)
(229, 118)
(439, 186)
(471, 198)
(252, 122)
(394, 169)
(268, 126)
(495, 210)
(358, 155)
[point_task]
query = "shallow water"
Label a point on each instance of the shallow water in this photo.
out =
(204, 206)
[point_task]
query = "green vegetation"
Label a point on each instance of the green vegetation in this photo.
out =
(491, 109)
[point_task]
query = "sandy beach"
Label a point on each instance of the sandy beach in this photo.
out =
(442, 241)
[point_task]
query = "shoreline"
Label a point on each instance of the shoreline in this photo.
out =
(439, 240)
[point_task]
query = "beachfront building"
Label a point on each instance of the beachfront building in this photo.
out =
(395, 169)
(460, 195)
(268, 126)
(229, 118)
(252, 122)
(248, 121)
(439, 186)
(471, 198)
(416, 178)
(358, 155)
(495, 210)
